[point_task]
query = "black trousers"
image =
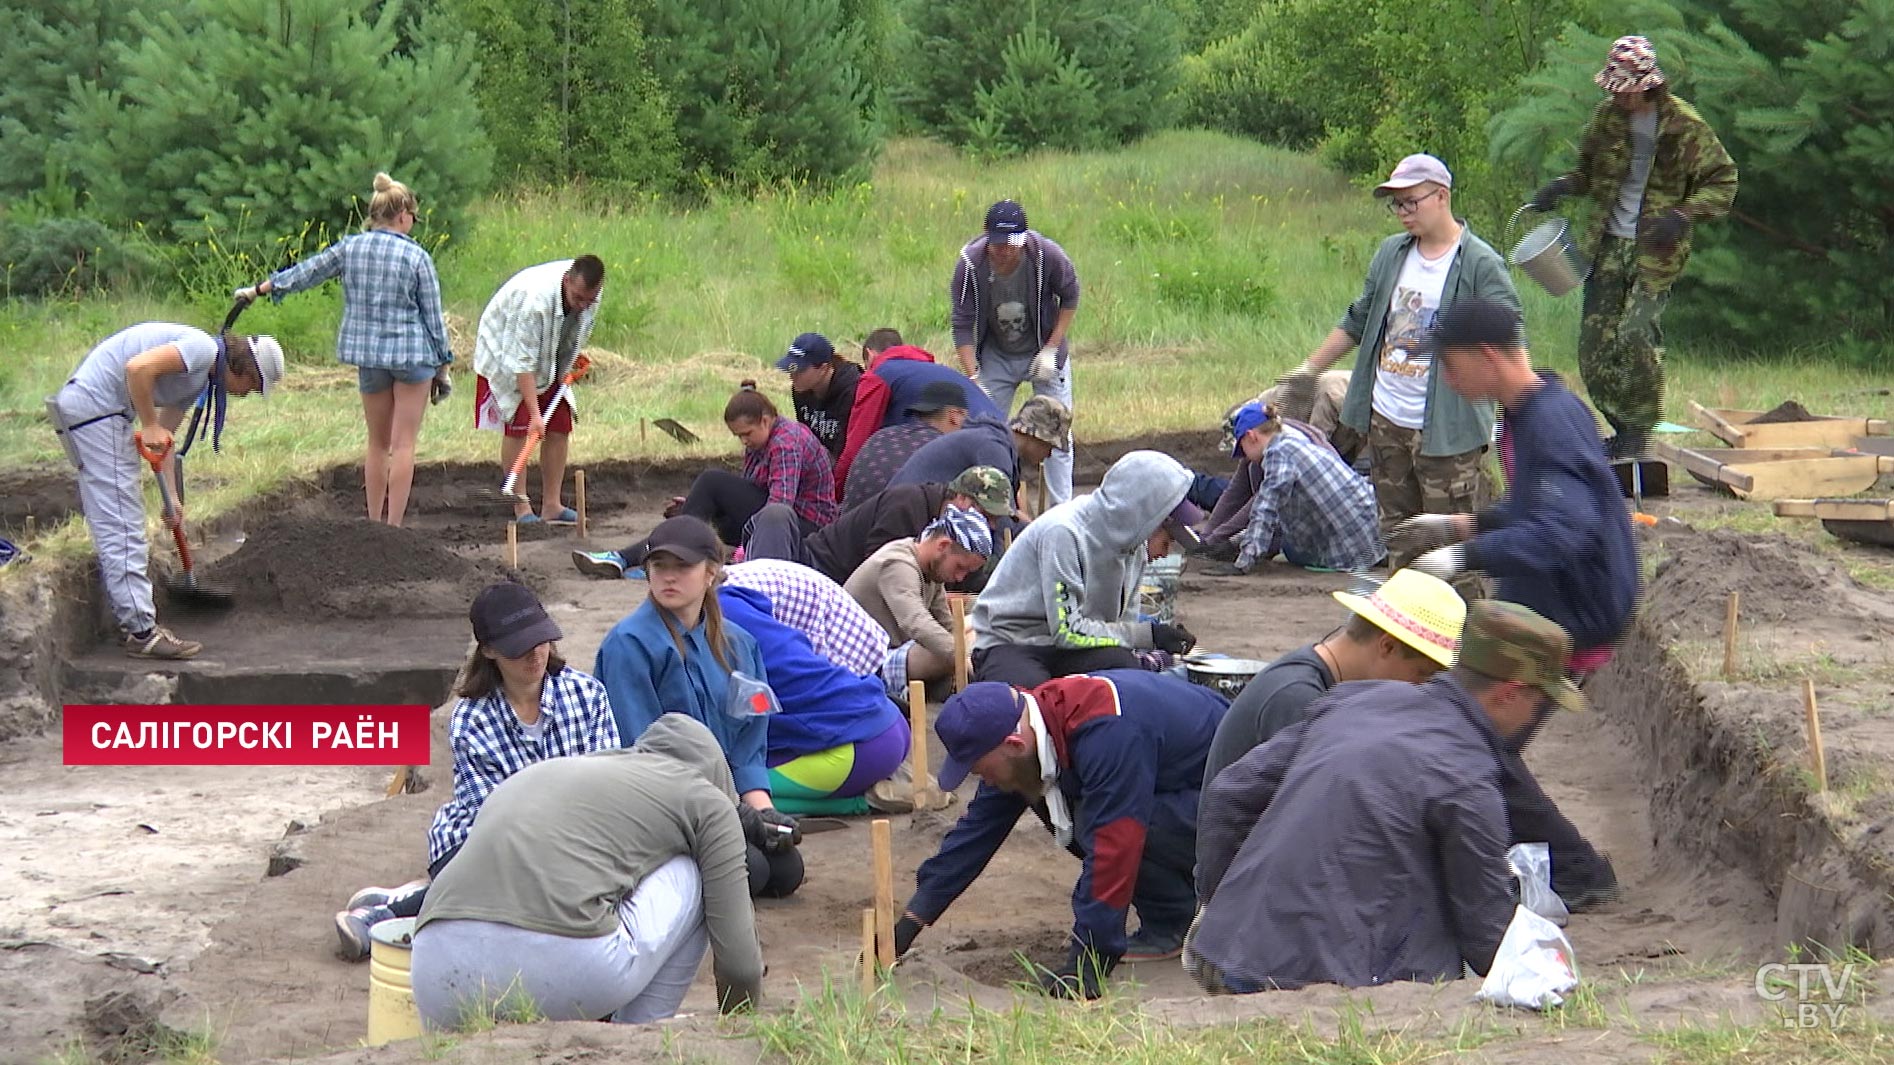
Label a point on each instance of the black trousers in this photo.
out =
(1025, 666)
(739, 510)
(1165, 894)
(1576, 865)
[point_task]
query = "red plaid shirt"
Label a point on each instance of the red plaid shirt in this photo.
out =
(795, 469)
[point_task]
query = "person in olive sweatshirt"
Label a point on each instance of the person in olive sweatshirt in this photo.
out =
(591, 887)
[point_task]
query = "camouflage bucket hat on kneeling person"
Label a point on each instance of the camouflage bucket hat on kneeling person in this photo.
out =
(1044, 418)
(988, 487)
(1507, 641)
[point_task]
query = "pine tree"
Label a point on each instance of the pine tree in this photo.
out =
(43, 43)
(567, 91)
(768, 90)
(1802, 96)
(1128, 49)
(249, 120)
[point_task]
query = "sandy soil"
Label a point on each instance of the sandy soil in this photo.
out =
(250, 955)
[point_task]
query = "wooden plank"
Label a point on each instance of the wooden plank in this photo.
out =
(1700, 465)
(1829, 476)
(1795, 508)
(1854, 509)
(1836, 432)
(1717, 424)
(1878, 427)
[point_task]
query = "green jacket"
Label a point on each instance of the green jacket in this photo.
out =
(1452, 425)
(1690, 170)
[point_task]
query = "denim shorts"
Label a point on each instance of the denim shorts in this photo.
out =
(372, 380)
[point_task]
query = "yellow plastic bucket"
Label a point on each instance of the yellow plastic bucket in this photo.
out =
(391, 1011)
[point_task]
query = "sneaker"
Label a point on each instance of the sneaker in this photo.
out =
(602, 565)
(1151, 945)
(351, 930)
(160, 643)
(1223, 569)
(382, 896)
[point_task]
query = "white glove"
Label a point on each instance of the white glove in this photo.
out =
(1425, 532)
(1045, 365)
(245, 295)
(1443, 562)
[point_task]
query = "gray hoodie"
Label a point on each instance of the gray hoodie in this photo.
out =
(559, 843)
(1071, 579)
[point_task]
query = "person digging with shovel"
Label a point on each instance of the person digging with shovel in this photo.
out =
(116, 413)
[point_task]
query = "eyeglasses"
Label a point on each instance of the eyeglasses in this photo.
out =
(1400, 206)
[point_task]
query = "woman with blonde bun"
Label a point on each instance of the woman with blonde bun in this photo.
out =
(393, 332)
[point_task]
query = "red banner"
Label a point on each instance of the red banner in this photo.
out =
(247, 735)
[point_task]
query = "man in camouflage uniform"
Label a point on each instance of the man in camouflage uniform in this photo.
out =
(1653, 168)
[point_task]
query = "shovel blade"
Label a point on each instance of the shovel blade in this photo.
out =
(676, 431)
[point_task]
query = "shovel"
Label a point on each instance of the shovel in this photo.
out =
(184, 588)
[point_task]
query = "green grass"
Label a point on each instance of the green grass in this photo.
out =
(1209, 266)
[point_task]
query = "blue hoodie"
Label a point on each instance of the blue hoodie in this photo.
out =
(646, 678)
(823, 704)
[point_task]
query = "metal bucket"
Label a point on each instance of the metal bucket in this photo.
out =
(1548, 256)
(1226, 676)
(392, 1013)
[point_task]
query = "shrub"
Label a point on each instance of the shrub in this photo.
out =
(43, 44)
(1227, 87)
(70, 257)
(1043, 99)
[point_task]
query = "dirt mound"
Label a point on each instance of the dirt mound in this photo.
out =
(1789, 411)
(1777, 578)
(351, 568)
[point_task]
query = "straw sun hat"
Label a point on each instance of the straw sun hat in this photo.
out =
(1421, 611)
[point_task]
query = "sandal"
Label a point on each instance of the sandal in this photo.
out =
(567, 516)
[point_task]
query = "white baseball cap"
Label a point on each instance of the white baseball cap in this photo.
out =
(269, 361)
(1415, 170)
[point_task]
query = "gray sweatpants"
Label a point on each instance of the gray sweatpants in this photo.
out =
(637, 974)
(111, 497)
(1001, 375)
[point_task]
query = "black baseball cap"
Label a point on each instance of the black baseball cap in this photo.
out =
(1472, 322)
(938, 396)
(1006, 223)
(690, 539)
(508, 618)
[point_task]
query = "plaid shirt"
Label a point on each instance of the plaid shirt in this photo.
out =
(391, 300)
(807, 600)
(1313, 503)
(490, 745)
(795, 469)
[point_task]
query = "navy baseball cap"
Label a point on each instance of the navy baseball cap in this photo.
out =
(509, 618)
(1006, 223)
(1248, 417)
(972, 724)
(809, 349)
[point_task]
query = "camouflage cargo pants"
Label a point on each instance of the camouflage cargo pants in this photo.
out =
(1620, 346)
(1407, 483)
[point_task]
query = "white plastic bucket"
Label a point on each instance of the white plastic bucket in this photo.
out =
(1548, 256)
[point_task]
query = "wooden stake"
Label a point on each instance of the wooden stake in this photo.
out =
(1006, 539)
(399, 782)
(578, 488)
(883, 838)
(957, 607)
(1818, 759)
(512, 545)
(641, 432)
(1041, 508)
(32, 528)
(917, 730)
(868, 952)
(1730, 611)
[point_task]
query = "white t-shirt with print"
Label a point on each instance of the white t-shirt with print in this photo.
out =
(1400, 385)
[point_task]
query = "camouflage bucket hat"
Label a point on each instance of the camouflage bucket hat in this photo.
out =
(1044, 418)
(1631, 66)
(1507, 641)
(990, 489)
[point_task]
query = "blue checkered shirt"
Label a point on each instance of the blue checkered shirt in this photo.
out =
(391, 300)
(808, 601)
(1313, 504)
(490, 745)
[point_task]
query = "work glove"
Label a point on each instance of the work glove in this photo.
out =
(1424, 532)
(1083, 976)
(1045, 365)
(245, 296)
(765, 829)
(1304, 369)
(1550, 193)
(442, 387)
(1173, 638)
(1443, 562)
(1661, 234)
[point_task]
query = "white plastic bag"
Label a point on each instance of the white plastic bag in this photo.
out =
(1534, 966)
(1532, 864)
(750, 697)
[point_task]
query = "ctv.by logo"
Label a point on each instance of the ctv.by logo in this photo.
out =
(1817, 993)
